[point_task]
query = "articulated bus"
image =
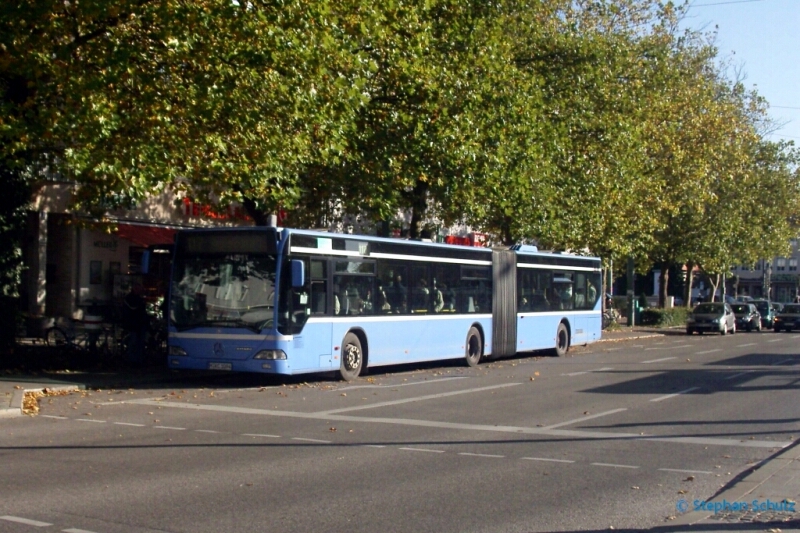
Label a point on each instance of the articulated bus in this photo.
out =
(286, 301)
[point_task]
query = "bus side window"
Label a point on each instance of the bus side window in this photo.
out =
(319, 287)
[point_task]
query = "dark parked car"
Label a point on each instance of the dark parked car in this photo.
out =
(789, 318)
(716, 317)
(747, 317)
(767, 312)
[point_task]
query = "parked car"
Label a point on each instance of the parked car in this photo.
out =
(789, 318)
(747, 317)
(712, 317)
(766, 311)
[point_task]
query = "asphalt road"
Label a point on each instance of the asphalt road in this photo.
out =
(613, 435)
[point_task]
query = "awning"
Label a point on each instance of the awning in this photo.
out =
(145, 236)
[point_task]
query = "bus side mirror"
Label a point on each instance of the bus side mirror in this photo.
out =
(145, 268)
(298, 273)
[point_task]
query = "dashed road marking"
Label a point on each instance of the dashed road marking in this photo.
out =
(775, 340)
(658, 360)
(581, 419)
(738, 375)
(56, 417)
(421, 450)
(266, 436)
(415, 399)
(129, 424)
(745, 345)
(169, 427)
(668, 396)
(26, 521)
(90, 420)
(612, 465)
(374, 446)
(320, 441)
(680, 471)
(75, 530)
(548, 460)
(481, 455)
(399, 384)
(207, 431)
(587, 372)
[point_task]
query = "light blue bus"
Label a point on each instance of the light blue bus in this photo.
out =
(286, 301)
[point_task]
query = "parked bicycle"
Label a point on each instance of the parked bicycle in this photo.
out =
(85, 337)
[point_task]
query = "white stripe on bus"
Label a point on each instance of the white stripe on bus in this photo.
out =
(228, 336)
(556, 267)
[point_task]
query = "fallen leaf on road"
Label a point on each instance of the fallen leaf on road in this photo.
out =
(635, 487)
(682, 492)
(343, 394)
(690, 478)
(331, 429)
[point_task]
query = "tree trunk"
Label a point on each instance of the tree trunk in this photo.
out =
(419, 207)
(663, 280)
(687, 291)
(259, 216)
(714, 284)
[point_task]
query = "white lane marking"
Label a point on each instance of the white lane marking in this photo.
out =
(566, 433)
(658, 360)
(415, 399)
(207, 431)
(547, 460)
(312, 440)
(587, 372)
(264, 435)
(169, 427)
(668, 396)
(709, 351)
(421, 450)
(129, 424)
(581, 419)
(684, 471)
(795, 337)
(738, 375)
(745, 345)
(75, 530)
(56, 417)
(374, 446)
(781, 362)
(25, 521)
(481, 455)
(612, 349)
(399, 385)
(775, 340)
(90, 420)
(613, 465)
(683, 346)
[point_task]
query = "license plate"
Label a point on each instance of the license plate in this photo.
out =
(220, 366)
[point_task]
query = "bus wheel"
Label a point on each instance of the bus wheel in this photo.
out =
(562, 340)
(474, 349)
(352, 358)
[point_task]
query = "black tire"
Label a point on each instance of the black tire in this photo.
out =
(55, 336)
(562, 341)
(689, 332)
(749, 327)
(724, 330)
(352, 358)
(473, 351)
(777, 329)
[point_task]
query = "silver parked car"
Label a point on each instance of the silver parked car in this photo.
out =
(713, 317)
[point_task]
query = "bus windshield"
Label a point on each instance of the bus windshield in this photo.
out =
(223, 290)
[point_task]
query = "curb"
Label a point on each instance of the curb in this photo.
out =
(14, 408)
(757, 476)
(643, 336)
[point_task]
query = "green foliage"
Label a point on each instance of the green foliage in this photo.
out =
(581, 124)
(653, 316)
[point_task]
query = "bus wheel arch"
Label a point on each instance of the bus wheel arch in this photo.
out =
(563, 336)
(353, 355)
(474, 345)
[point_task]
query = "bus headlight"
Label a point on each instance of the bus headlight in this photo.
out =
(270, 354)
(177, 351)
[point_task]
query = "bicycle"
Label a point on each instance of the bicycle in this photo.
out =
(83, 338)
